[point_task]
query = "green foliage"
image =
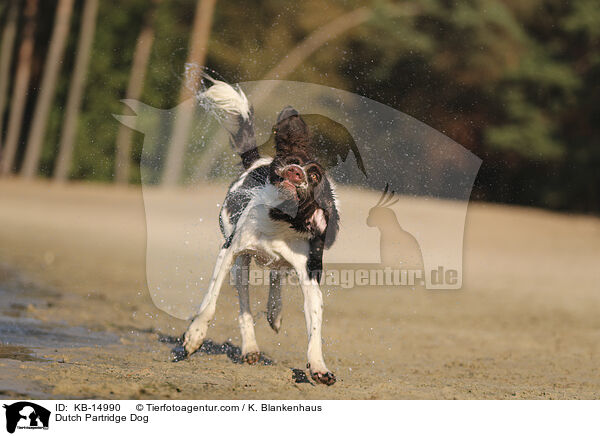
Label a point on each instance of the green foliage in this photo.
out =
(516, 82)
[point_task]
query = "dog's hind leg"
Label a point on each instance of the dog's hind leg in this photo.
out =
(241, 269)
(196, 332)
(274, 303)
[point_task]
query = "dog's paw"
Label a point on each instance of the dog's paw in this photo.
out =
(251, 358)
(194, 336)
(326, 378)
(275, 323)
(190, 343)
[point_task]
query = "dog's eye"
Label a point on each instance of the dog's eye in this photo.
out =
(314, 177)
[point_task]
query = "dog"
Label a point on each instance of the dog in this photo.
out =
(282, 212)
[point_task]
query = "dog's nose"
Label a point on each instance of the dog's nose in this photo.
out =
(294, 174)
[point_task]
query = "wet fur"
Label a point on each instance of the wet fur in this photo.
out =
(281, 212)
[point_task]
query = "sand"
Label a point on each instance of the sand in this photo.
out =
(526, 323)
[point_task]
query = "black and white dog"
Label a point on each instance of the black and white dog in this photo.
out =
(282, 212)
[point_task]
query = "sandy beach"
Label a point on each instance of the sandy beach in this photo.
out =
(78, 320)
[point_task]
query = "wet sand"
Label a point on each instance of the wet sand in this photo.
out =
(77, 320)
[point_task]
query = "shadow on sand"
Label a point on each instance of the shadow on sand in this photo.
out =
(234, 354)
(208, 347)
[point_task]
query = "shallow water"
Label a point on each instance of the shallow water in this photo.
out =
(32, 333)
(26, 339)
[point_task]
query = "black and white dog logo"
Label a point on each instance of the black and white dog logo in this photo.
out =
(26, 415)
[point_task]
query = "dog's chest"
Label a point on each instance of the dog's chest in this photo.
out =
(266, 237)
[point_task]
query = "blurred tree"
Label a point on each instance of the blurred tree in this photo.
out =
(6, 51)
(51, 69)
(577, 181)
(515, 82)
(316, 40)
(184, 116)
(19, 93)
(117, 30)
(134, 90)
(71, 117)
(501, 78)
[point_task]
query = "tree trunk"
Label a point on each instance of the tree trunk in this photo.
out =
(184, 117)
(58, 42)
(134, 90)
(69, 127)
(19, 95)
(8, 41)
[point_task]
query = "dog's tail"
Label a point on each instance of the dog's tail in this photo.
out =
(236, 114)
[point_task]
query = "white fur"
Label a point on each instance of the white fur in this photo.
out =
(225, 98)
(318, 221)
(249, 344)
(258, 163)
(336, 200)
(226, 222)
(228, 227)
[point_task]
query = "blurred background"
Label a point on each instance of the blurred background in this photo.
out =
(514, 82)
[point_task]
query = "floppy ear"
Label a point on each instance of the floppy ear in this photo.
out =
(325, 198)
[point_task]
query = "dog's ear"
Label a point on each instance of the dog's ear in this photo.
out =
(291, 132)
(286, 112)
(325, 199)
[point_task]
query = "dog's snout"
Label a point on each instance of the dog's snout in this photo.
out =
(294, 174)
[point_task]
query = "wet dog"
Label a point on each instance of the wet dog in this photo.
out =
(281, 212)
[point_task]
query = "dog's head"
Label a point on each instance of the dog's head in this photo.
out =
(298, 175)
(294, 169)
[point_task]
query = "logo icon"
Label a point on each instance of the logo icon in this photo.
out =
(26, 415)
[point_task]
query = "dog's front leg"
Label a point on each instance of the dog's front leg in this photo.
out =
(196, 332)
(241, 269)
(298, 257)
(313, 312)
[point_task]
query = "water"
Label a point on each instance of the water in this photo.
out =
(25, 338)
(30, 332)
